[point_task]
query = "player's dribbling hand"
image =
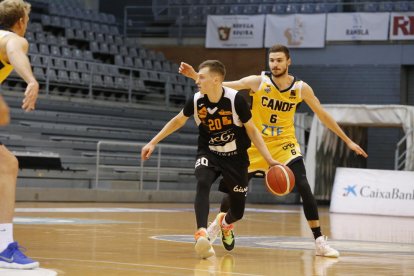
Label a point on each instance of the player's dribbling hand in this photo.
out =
(30, 96)
(274, 163)
(146, 151)
(187, 70)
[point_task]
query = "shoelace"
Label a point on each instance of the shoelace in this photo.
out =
(227, 229)
(199, 234)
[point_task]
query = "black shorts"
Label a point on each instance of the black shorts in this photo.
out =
(234, 172)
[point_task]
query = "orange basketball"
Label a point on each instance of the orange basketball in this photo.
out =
(280, 180)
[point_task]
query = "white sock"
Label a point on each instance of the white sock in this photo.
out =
(6, 235)
(224, 222)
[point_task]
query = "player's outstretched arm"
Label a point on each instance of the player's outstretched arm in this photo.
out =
(173, 125)
(257, 140)
(16, 49)
(309, 97)
(251, 82)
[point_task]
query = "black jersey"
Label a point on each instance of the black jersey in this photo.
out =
(220, 124)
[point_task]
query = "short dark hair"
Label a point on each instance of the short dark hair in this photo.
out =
(215, 66)
(11, 11)
(280, 48)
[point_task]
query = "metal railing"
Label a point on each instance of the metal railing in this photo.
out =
(141, 165)
(401, 154)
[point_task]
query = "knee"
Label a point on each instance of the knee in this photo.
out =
(303, 185)
(203, 186)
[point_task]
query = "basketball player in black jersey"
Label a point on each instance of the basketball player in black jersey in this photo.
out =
(225, 128)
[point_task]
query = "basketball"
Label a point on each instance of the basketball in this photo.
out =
(280, 180)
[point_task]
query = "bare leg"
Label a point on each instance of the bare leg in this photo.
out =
(8, 177)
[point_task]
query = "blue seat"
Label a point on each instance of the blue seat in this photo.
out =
(370, 7)
(264, 9)
(385, 7)
(401, 6)
(292, 8)
(279, 9)
(307, 8)
(235, 9)
(250, 9)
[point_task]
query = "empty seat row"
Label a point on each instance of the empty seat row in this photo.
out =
(384, 6)
(86, 79)
(55, 50)
(139, 62)
(66, 22)
(76, 12)
(46, 38)
(203, 11)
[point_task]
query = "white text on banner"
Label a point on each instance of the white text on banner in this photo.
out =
(402, 26)
(235, 31)
(357, 26)
(377, 192)
(296, 30)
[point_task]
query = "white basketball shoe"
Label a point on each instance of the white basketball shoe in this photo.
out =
(322, 248)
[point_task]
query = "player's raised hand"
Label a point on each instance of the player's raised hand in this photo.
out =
(187, 70)
(30, 96)
(357, 149)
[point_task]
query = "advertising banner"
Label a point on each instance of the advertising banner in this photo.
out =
(377, 192)
(402, 26)
(235, 31)
(357, 26)
(296, 30)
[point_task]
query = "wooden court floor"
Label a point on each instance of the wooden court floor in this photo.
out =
(157, 239)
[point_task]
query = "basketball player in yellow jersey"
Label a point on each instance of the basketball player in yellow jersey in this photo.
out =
(14, 16)
(275, 96)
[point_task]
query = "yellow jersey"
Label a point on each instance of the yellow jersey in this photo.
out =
(5, 68)
(274, 110)
(273, 113)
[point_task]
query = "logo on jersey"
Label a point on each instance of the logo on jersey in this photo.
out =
(224, 112)
(222, 138)
(292, 94)
(212, 111)
(202, 113)
(277, 105)
(267, 89)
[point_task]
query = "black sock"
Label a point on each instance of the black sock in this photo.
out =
(316, 232)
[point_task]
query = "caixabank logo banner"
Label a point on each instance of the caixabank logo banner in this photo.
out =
(366, 191)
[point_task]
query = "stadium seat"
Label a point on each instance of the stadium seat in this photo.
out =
(63, 76)
(74, 77)
(39, 73)
(82, 66)
(138, 63)
(128, 61)
(370, 7)
(292, 8)
(279, 9)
